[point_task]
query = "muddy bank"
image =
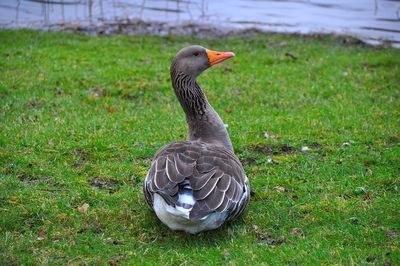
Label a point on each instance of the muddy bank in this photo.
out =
(375, 22)
(200, 30)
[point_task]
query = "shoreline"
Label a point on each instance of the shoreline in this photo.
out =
(190, 29)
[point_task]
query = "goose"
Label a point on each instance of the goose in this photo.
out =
(197, 184)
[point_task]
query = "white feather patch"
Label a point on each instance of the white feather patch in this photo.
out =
(178, 218)
(186, 198)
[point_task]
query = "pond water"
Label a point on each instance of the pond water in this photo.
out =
(373, 21)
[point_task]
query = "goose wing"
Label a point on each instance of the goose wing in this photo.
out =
(214, 173)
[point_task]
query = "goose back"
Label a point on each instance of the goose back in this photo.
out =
(213, 173)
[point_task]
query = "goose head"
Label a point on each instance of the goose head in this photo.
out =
(193, 60)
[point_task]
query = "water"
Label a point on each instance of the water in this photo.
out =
(373, 21)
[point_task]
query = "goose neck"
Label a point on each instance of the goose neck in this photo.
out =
(203, 121)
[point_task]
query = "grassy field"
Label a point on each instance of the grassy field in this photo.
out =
(81, 118)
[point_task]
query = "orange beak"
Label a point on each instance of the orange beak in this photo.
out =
(218, 57)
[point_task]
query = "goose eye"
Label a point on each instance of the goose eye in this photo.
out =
(196, 53)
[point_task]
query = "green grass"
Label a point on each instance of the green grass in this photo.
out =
(63, 145)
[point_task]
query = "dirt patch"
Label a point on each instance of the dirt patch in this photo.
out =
(93, 227)
(144, 157)
(371, 258)
(394, 139)
(34, 105)
(297, 232)
(271, 149)
(24, 177)
(104, 184)
(258, 195)
(248, 161)
(291, 56)
(83, 156)
(144, 160)
(193, 29)
(266, 238)
(270, 241)
(370, 162)
(51, 185)
(392, 234)
(349, 40)
(315, 145)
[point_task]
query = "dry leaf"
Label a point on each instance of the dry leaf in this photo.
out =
(256, 230)
(280, 188)
(111, 110)
(12, 202)
(369, 172)
(226, 254)
(42, 234)
(297, 232)
(367, 197)
(83, 208)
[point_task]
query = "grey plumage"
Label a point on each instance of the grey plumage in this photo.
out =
(218, 181)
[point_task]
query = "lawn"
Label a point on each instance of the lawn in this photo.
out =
(315, 122)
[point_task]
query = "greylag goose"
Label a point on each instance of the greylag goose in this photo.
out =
(198, 184)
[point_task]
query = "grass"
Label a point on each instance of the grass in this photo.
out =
(82, 116)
